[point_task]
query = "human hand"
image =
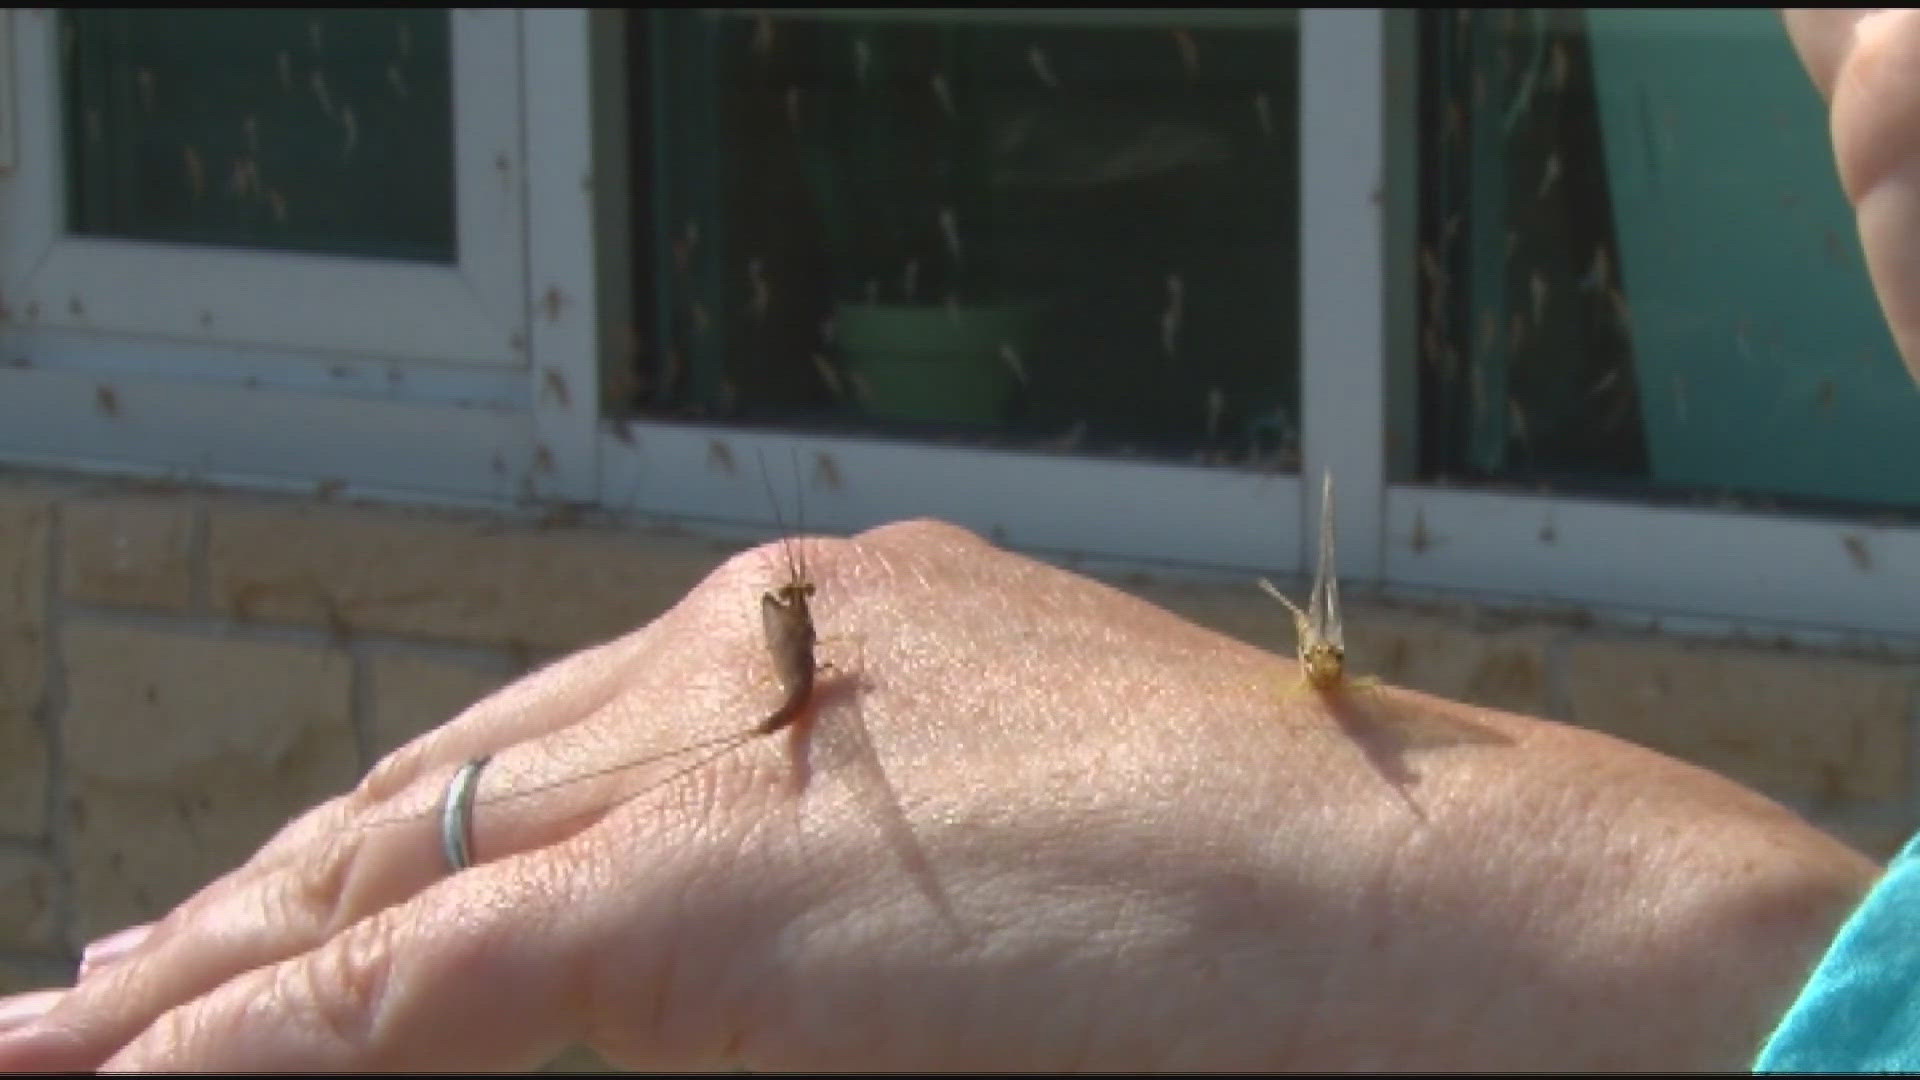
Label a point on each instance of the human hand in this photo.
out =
(1866, 62)
(1033, 823)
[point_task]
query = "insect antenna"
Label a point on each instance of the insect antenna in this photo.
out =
(723, 743)
(796, 573)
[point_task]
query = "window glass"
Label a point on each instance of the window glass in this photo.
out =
(1069, 230)
(296, 130)
(1637, 272)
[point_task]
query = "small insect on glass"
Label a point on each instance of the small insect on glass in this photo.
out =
(1323, 649)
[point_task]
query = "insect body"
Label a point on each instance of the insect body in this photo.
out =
(786, 617)
(1323, 650)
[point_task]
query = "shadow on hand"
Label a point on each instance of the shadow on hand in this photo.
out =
(1389, 725)
(847, 751)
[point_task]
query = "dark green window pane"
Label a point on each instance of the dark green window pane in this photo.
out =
(1077, 233)
(293, 130)
(1638, 273)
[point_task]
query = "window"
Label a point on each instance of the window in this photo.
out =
(1640, 274)
(210, 269)
(1638, 280)
(1491, 269)
(1068, 231)
(324, 131)
(1050, 257)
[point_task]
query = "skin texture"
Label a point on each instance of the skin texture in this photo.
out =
(1038, 824)
(1028, 822)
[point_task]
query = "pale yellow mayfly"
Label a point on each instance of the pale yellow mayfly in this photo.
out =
(1386, 725)
(1323, 648)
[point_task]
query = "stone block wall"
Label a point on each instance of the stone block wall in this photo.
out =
(182, 670)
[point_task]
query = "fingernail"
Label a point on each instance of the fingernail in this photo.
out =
(23, 1008)
(112, 947)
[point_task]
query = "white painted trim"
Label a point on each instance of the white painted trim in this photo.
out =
(231, 297)
(459, 314)
(1206, 18)
(110, 355)
(1762, 569)
(488, 132)
(563, 303)
(1058, 504)
(256, 435)
(1342, 275)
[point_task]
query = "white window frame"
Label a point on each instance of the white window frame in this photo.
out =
(1713, 570)
(1824, 580)
(1135, 512)
(380, 376)
(276, 301)
(528, 427)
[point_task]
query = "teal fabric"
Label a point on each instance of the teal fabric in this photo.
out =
(1861, 1010)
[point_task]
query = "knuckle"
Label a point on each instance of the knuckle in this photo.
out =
(392, 774)
(342, 987)
(772, 563)
(922, 533)
(171, 1033)
(309, 892)
(297, 835)
(746, 565)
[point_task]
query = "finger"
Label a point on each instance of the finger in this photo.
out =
(353, 856)
(705, 622)
(18, 1009)
(1876, 99)
(1821, 36)
(1889, 223)
(257, 918)
(99, 954)
(497, 968)
(478, 972)
(541, 702)
(1876, 139)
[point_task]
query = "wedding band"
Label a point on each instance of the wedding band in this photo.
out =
(456, 817)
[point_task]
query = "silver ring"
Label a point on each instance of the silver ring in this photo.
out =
(456, 816)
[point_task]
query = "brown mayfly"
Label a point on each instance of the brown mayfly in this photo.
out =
(786, 619)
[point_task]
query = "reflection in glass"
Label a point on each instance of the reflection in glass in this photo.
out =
(294, 130)
(1077, 234)
(1637, 271)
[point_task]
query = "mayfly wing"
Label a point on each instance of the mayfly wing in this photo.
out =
(1323, 606)
(719, 744)
(786, 616)
(788, 622)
